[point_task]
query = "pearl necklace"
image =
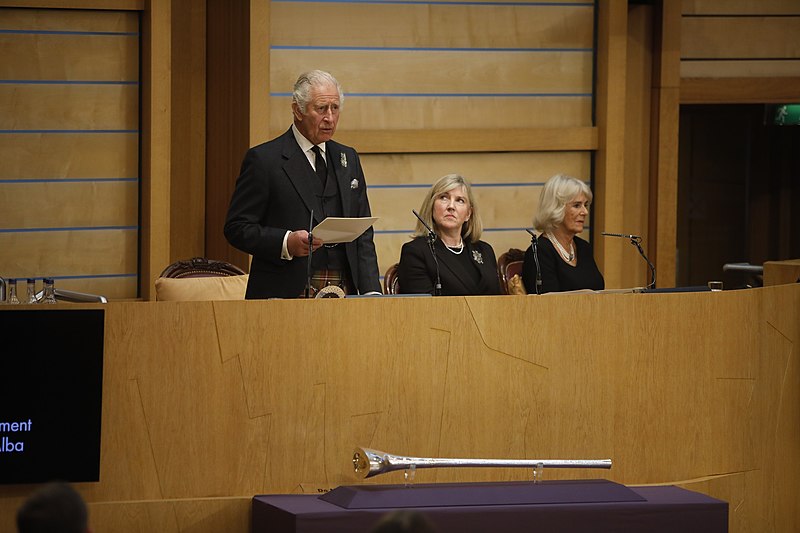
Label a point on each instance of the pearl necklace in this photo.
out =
(568, 257)
(459, 247)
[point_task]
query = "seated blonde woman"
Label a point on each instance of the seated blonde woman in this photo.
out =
(565, 260)
(467, 265)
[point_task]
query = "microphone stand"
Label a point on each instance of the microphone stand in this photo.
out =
(437, 288)
(536, 260)
(638, 243)
(310, 252)
(636, 240)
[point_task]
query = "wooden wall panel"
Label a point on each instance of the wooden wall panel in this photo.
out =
(740, 7)
(441, 75)
(83, 204)
(60, 156)
(466, 141)
(94, 260)
(777, 90)
(432, 73)
(60, 57)
(69, 107)
(761, 68)
(469, 113)
(132, 5)
(437, 25)
(740, 37)
(76, 19)
(203, 406)
(69, 127)
(69, 251)
(494, 168)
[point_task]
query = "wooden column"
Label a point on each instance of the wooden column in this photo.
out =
(188, 131)
(156, 143)
(664, 143)
(612, 27)
(228, 116)
(259, 71)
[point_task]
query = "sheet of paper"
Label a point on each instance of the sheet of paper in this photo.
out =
(336, 229)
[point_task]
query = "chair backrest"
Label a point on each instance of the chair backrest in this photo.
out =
(201, 279)
(391, 283)
(509, 264)
(200, 267)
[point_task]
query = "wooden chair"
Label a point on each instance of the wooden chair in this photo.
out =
(509, 264)
(391, 283)
(200, 267)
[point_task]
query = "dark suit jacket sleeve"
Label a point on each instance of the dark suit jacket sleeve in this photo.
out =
(367, 279)
(244, 228)
(416, 272)
(490, 273)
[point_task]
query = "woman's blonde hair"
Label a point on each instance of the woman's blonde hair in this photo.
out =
(556, 194)
(471, 229)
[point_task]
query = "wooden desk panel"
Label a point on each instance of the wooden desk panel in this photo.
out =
(781, 272)
(209, 403)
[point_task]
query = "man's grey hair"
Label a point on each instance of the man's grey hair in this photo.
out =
(308, 80)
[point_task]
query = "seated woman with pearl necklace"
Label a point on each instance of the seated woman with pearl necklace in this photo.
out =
(466, 264)
(565, 260)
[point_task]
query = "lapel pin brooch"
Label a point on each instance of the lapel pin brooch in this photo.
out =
(477, 257)
(343, 160)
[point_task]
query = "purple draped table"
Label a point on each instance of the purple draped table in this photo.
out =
(563, 506)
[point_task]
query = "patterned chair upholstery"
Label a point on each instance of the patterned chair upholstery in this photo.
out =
(200, 267)
(201, 279)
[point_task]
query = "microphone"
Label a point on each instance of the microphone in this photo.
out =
(624, 236)
(637, 241)
(431, 233)
(536, 260)
(310, 251)
(437, 288)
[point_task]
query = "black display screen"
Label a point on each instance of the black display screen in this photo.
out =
(51, 384)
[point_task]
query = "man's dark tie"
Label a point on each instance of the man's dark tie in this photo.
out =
(319, 163)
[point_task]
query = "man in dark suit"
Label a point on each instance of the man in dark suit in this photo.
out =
(282, 181)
